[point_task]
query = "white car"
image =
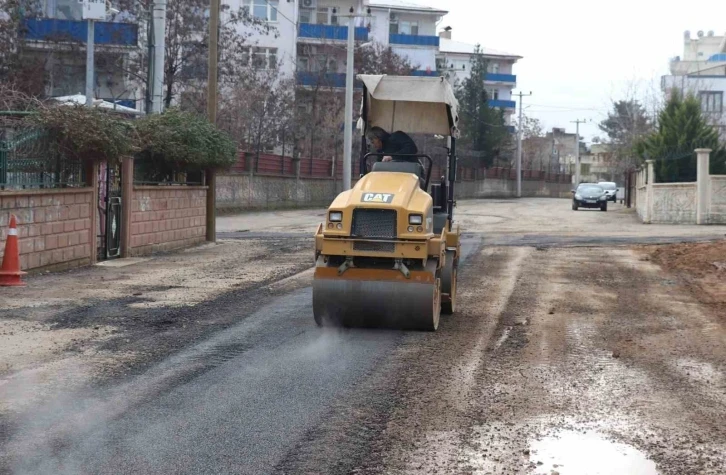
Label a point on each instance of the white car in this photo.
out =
(611, 190)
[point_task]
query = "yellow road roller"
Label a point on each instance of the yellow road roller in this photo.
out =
(388, 252)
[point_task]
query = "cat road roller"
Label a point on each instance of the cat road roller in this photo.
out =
(388, 252)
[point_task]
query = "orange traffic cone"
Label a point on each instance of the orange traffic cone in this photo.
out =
(10, 271)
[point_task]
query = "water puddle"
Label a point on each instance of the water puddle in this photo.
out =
(588, 454)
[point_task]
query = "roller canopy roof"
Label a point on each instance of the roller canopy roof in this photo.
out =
(423, 105)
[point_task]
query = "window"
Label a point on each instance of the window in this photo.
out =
(493, 68)
(711, 101)
(306, 15)
(262, 58)
(262, 9)
(493, 94)
(408, 28)
(322, 16)
(303, 63)
(584, 168)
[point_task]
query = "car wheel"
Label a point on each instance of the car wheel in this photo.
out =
(604, 206)
(574, 206)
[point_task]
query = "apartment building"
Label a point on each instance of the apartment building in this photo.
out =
(55, 35)
(701, 71)
(454, 61)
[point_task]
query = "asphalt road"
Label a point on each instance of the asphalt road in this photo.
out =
(561, 340)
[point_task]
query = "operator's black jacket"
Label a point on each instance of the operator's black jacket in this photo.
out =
(399, 142)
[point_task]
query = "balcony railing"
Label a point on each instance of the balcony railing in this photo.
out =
(500, 77)
(415, 40)
(330, 32)
(423, 73)
(106, 33)
(310, 79)
(502, 104)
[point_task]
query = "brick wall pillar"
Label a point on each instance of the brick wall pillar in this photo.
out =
(127, 199)
(703, 181)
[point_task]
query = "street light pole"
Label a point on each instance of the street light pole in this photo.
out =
(519, 145)
(348, 131)
(349, 83)
(577, 150)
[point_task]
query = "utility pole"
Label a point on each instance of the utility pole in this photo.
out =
(349, 72)
(151, 45)
(92, 10)
(90, 60)
(212, 113)
(159, 19)
(519, 145)
(577, 150)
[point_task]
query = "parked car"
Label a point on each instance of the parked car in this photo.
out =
(589, 195)
(611, 189)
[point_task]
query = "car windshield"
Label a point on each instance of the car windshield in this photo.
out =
(608, 186)
(591, 190)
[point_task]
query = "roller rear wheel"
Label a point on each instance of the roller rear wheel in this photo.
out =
(448, 283)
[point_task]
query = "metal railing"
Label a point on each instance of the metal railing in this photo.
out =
(27, 162)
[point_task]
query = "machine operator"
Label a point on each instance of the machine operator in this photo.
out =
(393, 144)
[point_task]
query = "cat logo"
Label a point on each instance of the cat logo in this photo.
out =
(377, 198)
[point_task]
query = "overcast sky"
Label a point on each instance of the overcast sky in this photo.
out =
(580, 54)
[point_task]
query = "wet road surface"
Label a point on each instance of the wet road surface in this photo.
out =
(567, 355)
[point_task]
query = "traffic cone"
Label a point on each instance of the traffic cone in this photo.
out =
(10, 271)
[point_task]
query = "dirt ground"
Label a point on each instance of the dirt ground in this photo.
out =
(578, 347)
(66, 328)
(701, 265)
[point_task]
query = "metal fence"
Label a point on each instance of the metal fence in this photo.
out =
(148, 172)
(27, 161)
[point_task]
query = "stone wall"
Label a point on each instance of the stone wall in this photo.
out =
(699, 202)
(504, 188)
(167, 217)
(54, 226)
(241, 192)
(717, 214)
(674, 203)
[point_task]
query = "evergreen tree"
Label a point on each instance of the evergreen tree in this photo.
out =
(681, 129)
(483, 128)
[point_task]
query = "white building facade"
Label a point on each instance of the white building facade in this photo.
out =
(702, 71)
(311, 35)
(454, 61)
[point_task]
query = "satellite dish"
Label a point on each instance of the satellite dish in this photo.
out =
(710, 33)
(700, 33)
(686, 34)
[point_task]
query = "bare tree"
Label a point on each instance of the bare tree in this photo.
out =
(258, 113)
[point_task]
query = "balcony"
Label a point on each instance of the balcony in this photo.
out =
(502, 104)
(414, 40)
(106, 33)
(330, 32)
(310, 79)
(508, 78)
